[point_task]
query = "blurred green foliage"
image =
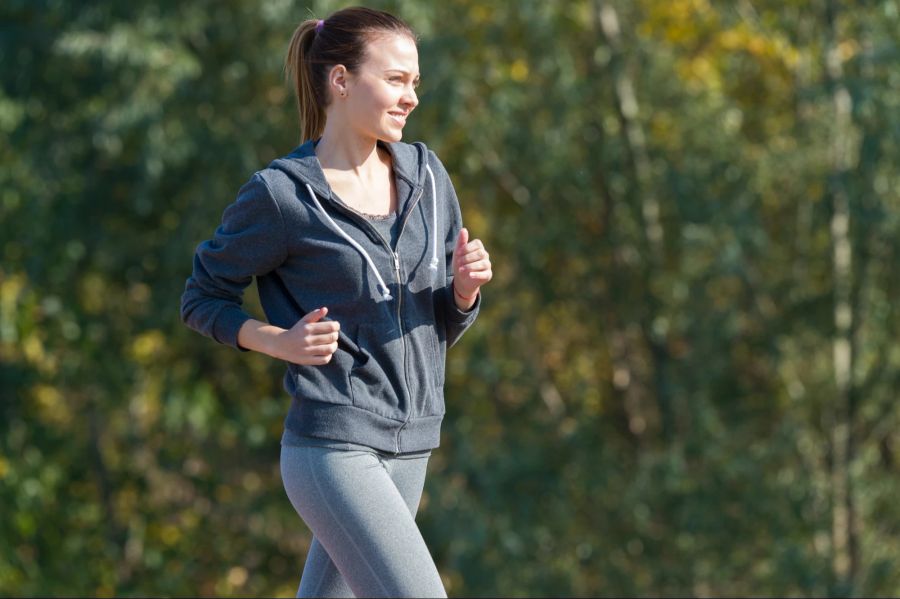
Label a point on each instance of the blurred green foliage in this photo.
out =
(693, 214)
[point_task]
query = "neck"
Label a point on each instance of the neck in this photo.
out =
(346, 151)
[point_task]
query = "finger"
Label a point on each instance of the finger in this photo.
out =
(481, 275)
(327, 339)
(471, 246)
(322, 350)
(462, 239)
(473, 256)
(476, 266)
(315, 316)
(323, 328)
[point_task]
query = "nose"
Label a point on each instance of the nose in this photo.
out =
(410, 100)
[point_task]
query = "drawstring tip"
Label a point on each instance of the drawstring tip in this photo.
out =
(434, 263)
(387, 296)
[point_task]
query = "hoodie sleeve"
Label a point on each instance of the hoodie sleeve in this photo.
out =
(456, 321)
(251, 241)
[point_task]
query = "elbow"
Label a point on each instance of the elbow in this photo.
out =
(185, 312)
(189, 302)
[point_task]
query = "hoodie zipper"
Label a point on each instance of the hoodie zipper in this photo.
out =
(402, 341)
(396, 258)
(399, 317)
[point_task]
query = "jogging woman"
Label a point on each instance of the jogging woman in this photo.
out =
(366, 277)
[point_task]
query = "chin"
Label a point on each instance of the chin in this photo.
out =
(392, 135)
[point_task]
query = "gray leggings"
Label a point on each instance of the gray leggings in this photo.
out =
(360, 507)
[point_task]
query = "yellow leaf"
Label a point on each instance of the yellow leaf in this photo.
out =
(237, 576)
(147, 345)
(518, 71)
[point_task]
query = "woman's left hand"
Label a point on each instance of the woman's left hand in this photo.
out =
(471, 269)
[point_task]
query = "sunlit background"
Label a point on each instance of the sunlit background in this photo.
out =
(684, 377)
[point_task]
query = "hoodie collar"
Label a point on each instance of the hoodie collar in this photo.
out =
(408, 163)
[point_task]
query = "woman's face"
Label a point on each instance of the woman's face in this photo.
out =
(381, 93)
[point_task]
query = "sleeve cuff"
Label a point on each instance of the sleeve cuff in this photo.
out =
(227, 324)
(457, 316)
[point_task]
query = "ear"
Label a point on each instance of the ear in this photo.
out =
(337, 80)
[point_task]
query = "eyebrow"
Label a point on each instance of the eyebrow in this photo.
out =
(402, 71)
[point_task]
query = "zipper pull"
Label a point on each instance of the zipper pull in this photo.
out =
(397, 263)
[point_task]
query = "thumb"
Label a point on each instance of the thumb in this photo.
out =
(315, 316)
(462, 239)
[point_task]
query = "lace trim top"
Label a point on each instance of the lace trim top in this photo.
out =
(387, 216)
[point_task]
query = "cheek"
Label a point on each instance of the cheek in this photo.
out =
(385, 97)
(367, 106)
(368, 102)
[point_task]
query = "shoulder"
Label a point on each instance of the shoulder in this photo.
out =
(272, 178)
(256, 194)
(300, 167)
(283, 173)
(287, 179)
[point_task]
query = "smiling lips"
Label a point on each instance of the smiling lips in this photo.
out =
(400, 117)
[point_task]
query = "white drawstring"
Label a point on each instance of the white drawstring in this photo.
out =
(434, 227)
(385, 293)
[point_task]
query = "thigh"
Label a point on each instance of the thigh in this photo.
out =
(354, 508)
(321, 577)
(408, 475)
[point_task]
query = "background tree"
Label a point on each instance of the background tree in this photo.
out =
(683, 380)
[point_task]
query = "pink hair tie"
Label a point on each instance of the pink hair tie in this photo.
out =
(319, 25)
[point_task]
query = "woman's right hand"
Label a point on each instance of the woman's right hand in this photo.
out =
(311, 341)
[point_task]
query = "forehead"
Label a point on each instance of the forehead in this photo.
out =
(392, 51)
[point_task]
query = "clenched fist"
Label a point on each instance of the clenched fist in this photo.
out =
(471, 269)
(311, 341)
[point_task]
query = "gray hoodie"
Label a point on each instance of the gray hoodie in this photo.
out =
(384, 385)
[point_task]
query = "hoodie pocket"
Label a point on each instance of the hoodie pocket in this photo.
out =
(426, 370)
(377, 372)
(327, 383)
(437, 373)
(436, 365)
(439, 363)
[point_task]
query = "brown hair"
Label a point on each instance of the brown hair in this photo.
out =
(316, 46)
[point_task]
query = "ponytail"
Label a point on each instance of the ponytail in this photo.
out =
(298, 70)
(316, 46)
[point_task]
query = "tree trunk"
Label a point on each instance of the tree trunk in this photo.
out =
(648, 215)
(845, 561)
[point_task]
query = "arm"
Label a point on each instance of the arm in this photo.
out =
(250, 241)
(312, 341)
(259, 336)
(458, 313)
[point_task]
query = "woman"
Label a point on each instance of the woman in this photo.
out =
(366, 277)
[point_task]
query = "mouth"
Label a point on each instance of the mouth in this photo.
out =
(399, 117)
